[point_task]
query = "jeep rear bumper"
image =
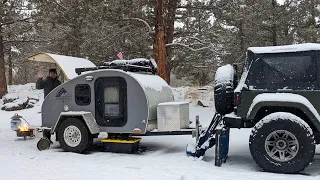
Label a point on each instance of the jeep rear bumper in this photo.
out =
(233, 121)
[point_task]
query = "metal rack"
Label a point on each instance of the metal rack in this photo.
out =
(144, 66)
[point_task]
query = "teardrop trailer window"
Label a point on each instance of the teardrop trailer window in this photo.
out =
(82, 94)
(111, 101)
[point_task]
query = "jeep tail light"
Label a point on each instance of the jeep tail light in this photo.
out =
(236, 102)
(237, 99)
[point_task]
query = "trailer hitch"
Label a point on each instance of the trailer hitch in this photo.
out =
(216, 134)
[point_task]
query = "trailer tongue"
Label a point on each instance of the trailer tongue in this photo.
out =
(216, 134)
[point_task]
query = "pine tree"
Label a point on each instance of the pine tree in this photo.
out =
(16, 16)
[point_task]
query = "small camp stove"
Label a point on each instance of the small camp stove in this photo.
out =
(25, 133)
(21, 126)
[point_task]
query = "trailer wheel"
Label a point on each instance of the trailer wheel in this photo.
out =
(74, 136)
(282, 143)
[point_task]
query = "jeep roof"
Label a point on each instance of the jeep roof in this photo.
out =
(281, 67)
(286, 48)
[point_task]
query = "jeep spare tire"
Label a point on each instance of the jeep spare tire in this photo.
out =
(224, 89)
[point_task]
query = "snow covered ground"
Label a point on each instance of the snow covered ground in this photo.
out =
(159, 157)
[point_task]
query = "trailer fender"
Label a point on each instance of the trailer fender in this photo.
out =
(284, 100)
(87, 118)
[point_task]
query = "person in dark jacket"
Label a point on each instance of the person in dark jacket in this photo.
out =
(49, 83)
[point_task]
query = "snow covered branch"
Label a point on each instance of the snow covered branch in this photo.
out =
(25, 41)
(60, 5)
(209, 47)
(194, 38)
(186, 46)
(144, 22)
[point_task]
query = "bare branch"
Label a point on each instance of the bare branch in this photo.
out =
(187, 46)
(24, 41)
(28, 29)
(143, 21)
(60, 5)
(200, 42)
(209, 47)
(63, 28)
(15, 21)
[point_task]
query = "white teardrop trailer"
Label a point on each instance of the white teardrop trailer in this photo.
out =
(122, 98)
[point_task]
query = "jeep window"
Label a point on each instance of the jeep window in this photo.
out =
(281, 71)
(111, 101)
(82, 94)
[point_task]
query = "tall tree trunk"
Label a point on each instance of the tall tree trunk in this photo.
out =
(3, 82)
(172, 7)
(10, 68)
(159, 42)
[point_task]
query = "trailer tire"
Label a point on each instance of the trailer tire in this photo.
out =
(282, 143)
(74, 136)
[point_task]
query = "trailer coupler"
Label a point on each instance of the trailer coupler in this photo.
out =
(216, 134)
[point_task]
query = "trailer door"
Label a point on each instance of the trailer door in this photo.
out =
(111, 101)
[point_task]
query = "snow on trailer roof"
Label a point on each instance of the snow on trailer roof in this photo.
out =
(285, 48)
(67, 64)
(149, 80)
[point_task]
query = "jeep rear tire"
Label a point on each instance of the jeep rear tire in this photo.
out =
(282, 143)
(74, 136)
(224, 90)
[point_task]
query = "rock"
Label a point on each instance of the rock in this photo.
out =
(203, 103)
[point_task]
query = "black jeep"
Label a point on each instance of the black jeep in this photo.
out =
(278, 96)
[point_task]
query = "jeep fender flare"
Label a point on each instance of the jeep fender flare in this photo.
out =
(86, 117)
(284, 100)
